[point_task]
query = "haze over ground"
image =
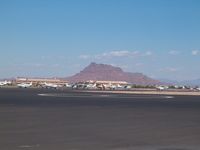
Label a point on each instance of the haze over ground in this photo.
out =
(59, 38)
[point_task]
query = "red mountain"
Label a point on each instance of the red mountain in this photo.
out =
(110, 73)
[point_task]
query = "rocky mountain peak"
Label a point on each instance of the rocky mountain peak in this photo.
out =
(106, 72)
(101, 68)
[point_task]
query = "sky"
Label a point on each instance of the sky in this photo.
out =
(58, 38)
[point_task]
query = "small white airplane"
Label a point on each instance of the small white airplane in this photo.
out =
(161, 88)
(198, 89)
(91, 86)
(119, 86)
(24, 85)
(127, 87)
(51, 85)
(110, 86)
(68, 85)
(2, 83)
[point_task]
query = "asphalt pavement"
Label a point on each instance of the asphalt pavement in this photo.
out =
(41, 119)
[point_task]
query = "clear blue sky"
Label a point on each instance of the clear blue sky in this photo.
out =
(48, 38)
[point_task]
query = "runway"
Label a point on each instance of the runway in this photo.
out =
(40, 119)
(104, 95)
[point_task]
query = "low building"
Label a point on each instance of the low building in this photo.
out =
(112, 82)
(36, 81)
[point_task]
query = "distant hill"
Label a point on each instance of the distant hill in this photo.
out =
(169, 82)
(110, 73)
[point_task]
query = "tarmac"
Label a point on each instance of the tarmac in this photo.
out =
(41, 119)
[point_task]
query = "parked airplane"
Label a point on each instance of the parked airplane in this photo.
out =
(91, 86)
(109, 86)
(128, 87)
(51, 85)
(68, 85)
(123, 87)
(198, 89)
(79, 86)
(161, 88)
(24, 85)
(2, 83)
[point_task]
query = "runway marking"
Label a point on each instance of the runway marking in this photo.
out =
(168, 97)
(29, 146)
(63, 95)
